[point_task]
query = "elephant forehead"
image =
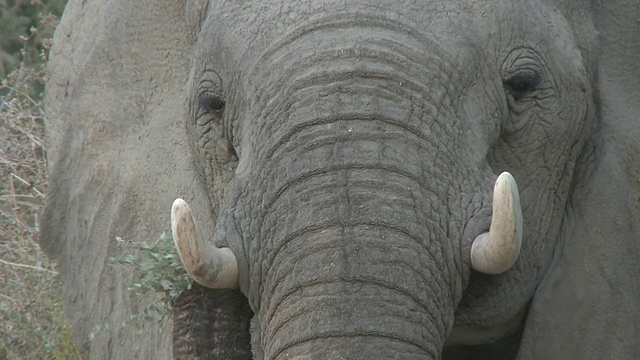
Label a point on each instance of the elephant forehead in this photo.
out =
(255, 25)
(240, 33)
(274, 16)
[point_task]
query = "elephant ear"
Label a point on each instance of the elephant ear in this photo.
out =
(588, 306)
(118, 158)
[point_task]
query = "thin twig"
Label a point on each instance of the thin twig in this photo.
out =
(30, 185)
(8, 96)
(28, 267)
(9, 297)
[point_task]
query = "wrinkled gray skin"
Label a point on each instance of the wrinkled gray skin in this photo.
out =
(346, 153)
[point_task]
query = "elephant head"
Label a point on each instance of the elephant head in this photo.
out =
(372, 179)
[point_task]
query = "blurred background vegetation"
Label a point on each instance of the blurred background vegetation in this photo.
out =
(26, 28)
(32, 320)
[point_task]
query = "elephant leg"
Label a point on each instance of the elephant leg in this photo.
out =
(505, 348)
(211, 324)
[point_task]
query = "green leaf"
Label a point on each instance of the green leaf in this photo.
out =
(157, 269)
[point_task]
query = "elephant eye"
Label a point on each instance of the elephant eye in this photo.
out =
(522, 83)
(211, 103)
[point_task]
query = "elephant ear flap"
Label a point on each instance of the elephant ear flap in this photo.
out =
(587, 307)
(118, 157)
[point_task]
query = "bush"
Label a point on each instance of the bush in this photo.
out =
(26, 28)
(32, 320)
(31, 312)
(157, 270)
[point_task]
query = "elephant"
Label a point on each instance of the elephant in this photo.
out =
(368, 179)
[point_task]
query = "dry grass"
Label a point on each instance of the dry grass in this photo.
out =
(32, 320)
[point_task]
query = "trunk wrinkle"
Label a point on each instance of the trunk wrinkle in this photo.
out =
(282, 247)
(380, 337)
(329, 169)
(312, 315)
(342, 119)
(354, 282)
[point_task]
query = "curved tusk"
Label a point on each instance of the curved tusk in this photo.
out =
(208, 265)
(496, 251)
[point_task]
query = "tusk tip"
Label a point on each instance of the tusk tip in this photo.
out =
(507, 182)
(178, 206)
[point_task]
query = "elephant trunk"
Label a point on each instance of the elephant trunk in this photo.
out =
(356, 255)
(355, 240)
(355, 291)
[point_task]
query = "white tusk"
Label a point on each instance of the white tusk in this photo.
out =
(496, 251)
(208, 265)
